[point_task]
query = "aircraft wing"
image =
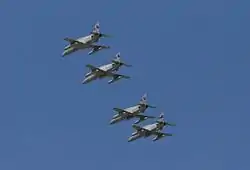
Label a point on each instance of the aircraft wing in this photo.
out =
(99, 46)
(72, 41)
(120, 111)
(110, 73)
(117, 75)
(145, 116)
(138, 128)
(93, 68)
(159, 135)
(107, 73)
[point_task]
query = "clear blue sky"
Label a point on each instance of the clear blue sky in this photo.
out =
(190, 56)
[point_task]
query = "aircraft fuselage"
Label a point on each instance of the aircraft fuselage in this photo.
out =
(85, 42)
(90, 76)
(134, 110)
(142, 133)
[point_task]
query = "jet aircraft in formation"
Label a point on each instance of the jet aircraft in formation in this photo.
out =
(132, 112)
(107, 70)
(110, 70)
(151, 129)
(86, 42)
(137, 112)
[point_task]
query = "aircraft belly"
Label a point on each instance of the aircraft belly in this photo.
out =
(128, 117)
(147, 134)
(80, 46)
(102, 76)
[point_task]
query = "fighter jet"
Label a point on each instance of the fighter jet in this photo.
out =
(86, 42)
(151, 129)
(107, 70)
(132, 112)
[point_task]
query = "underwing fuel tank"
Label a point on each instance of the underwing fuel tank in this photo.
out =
(87, 74)
(132, 138)
(134, 133)
(114, 80)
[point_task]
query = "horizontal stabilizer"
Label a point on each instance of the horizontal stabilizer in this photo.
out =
(105, 35)
(150, 106)
(171, 124)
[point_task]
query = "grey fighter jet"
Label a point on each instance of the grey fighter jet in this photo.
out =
(107, 70)
(132, 112)
(86, 42)
(151, 129)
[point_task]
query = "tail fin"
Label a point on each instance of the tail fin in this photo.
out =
(143, 101)
(162, 120)
(117, 60)
(96, 28)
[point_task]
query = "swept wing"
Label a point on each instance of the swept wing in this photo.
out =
(160, 135)
(93, 68)
(96, 48)
(138, 128)
(121, 111)
(107, 73)
(72, 41)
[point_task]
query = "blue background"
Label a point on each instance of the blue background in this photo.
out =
(191, 57)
